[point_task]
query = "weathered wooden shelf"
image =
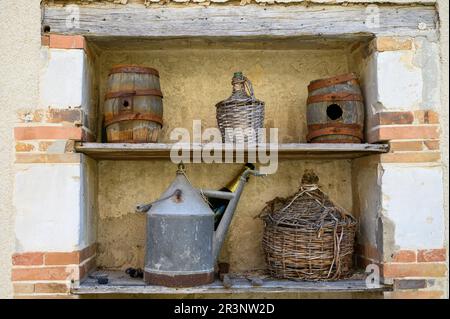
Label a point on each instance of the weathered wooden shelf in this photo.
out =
(250, 20)
(121, 283)
(117, 151)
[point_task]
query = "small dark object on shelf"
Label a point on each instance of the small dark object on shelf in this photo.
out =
(102, 279)
(135, 273)
(256, 281)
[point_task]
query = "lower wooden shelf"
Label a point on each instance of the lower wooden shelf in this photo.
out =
(121, 283)
(120, 151)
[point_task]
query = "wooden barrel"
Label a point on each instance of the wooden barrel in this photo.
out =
(133, 108)
(335, 110)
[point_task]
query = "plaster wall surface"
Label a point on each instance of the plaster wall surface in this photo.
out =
(20, 23)
(416, 208)
(47, 201)
(193, 81)
(124, 184)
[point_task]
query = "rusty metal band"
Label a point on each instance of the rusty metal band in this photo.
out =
(315, 85)
(335, 131)
(133, 69)
(178, 280)
(315, 127)
(335, 97)
(135, 116)
(119, 94)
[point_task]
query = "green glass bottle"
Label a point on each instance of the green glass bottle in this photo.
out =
(219, 205)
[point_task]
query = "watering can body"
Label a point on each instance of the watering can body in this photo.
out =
(180, 230)
(182, 246)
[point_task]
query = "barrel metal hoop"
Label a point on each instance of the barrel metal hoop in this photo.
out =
(331, 81)
(335, 97)
(135, 116)
(351, 131)
(133, 69)
(119, 94)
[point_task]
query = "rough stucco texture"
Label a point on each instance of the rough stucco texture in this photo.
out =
(193, 81)
(20, 37)
(124, 184)
(443, 6)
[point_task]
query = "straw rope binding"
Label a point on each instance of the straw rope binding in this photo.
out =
(307, 237)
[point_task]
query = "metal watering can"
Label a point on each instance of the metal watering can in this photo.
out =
(182, 246)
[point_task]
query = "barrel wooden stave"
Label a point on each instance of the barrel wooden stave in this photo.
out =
(321, 128)
(133, 109)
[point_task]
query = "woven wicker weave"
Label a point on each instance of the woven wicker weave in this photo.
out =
(241, 115)
(307, 237)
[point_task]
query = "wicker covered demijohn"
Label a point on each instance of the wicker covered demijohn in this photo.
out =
(307, 237)
(241, 115)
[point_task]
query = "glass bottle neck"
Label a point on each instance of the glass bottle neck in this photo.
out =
(233, 185)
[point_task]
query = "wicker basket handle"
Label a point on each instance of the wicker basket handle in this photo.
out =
(249, 87)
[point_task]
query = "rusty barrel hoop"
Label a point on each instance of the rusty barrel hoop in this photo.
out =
(131, 68)
(133, 105)
(335, 110)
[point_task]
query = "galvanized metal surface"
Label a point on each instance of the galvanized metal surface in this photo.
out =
(182, 246)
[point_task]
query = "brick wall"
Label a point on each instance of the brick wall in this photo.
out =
(43, 274)
(404, 233)
(54, 187)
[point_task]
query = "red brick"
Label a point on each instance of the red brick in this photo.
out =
(28, 259)
(45, 40)
(411, 157)
(88, 252)
(67, 41)
(432, 145)
(27, 158)
(432, 255)
(70, 258)
(403, 132)
(394, 118)
(64, 116)
(43, 273)
(426, 117)
(51, 288)
(47, 133)
(86, 267)
(404, 256)
(423, 270)
(414, 295)
(23, 288)
(403, 146)
(382, 44)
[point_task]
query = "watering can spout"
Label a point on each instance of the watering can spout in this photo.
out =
(222, 229)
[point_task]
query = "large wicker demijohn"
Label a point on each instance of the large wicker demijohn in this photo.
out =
(335, 110)
(133, 108)
(241, 115)
(307, 237)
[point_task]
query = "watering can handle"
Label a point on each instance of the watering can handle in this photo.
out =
(144, 208)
